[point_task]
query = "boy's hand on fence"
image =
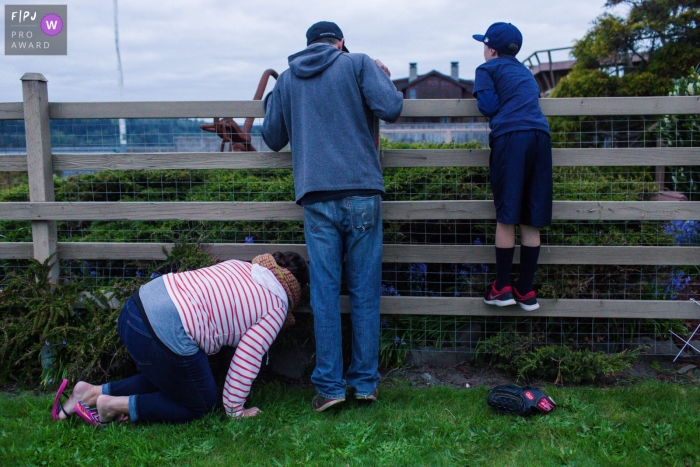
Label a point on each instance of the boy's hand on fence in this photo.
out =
(251, 412)
(383, 67)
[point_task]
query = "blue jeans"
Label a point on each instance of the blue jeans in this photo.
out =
(170, 388)
(349, 227)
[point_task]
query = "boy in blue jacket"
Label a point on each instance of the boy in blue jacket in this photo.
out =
(520, 162)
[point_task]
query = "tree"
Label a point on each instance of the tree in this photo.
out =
(639, 55)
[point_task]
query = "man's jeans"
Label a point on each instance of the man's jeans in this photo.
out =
(170, 388)
(350, 227)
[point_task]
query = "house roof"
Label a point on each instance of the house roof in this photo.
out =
(566, 65)
(402, 83)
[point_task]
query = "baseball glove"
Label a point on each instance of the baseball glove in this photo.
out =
(512, 399)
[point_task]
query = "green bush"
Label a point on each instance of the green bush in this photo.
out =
(55, 331)
(527, 357)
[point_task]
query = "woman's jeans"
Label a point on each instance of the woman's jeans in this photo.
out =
(352, 228)
(170, 388)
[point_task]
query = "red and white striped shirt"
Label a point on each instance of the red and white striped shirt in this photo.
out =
(222, 305)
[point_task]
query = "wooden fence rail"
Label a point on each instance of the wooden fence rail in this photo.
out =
(589, 106)
(40, 163)
(583, 157)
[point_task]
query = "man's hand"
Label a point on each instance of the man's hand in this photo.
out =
(383, 67)
(251, 412)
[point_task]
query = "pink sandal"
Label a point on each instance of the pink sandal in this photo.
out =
(89, 414)
(57, 406)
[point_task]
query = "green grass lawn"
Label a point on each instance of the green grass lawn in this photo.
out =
(650, 423)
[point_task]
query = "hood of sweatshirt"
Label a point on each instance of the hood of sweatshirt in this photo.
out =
(313, 60)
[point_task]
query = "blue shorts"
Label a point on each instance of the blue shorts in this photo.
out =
(521, 177)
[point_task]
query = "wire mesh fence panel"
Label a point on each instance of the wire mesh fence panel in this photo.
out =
(466, 334)
(140, 137)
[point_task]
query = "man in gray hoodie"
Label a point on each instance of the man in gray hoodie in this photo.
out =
(324, 105)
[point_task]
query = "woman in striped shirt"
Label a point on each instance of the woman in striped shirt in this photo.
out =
(173, 322)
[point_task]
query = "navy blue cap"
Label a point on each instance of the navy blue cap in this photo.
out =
(324, 29)
(502, 37)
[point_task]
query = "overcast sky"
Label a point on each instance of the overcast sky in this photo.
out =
(217, 50)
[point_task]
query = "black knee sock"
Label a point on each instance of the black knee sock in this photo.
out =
(504, 263)
(528, 266)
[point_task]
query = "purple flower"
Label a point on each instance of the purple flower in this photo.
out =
(677, 283)
(389, 291)
(684, 232)
(418, 277)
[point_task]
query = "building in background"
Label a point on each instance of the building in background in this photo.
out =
(436, 85)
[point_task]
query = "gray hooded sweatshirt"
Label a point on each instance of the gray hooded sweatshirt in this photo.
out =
(324, 106)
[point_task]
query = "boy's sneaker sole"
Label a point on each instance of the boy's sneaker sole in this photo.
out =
(320, 403)
(500, 302)
(529, 307)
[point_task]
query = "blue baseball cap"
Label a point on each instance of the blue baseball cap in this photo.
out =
(502, 37)
(324, 29)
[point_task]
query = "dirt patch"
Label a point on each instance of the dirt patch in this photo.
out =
(482, 374)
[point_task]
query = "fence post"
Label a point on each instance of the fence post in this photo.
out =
(40, 165)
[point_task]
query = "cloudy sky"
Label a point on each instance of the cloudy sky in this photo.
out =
(217, 50)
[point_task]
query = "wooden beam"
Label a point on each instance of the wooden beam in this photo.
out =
(176, 161)
(184, 109)
(16, 250)
(157, 251)
(549, 254)
(39, 166)
(393, 253)
(569, 157)
(289, 211)
(440, 108)
(13, 163)
(11, 111)
(552, 107)
(591, 106)
(609, 106)
(565, 308)
(562, 210)
(561, 157)
(156, 211)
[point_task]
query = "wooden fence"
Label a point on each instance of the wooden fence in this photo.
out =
(43, 211)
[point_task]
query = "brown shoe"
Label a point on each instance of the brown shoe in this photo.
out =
(373, 396)
(320, 403)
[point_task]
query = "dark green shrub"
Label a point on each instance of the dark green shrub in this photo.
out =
(55, 331)
(528, 357)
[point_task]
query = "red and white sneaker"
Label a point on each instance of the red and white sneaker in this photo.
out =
(527, 302)
(503, 297)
